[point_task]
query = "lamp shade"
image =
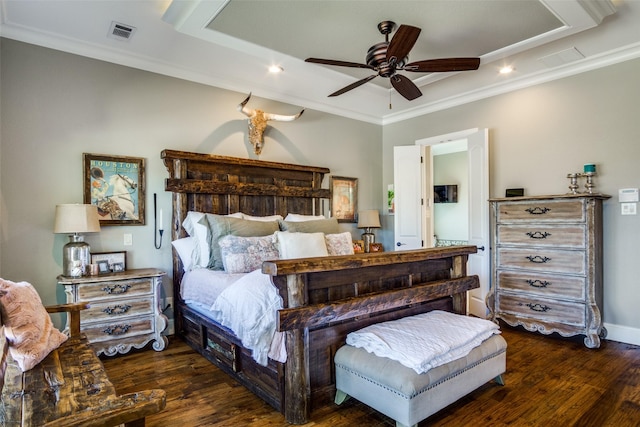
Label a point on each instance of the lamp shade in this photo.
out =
(76, 218)
(368, 219)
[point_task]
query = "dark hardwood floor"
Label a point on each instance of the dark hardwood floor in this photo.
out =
(550, 381)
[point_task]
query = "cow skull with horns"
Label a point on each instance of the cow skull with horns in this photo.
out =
(258, 122)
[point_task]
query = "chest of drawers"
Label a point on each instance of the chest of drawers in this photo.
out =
(547, 264)
(125, 309)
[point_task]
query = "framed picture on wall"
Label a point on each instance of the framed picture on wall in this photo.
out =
(344, 198)
(116, 185)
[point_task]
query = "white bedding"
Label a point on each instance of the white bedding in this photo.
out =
(246, 303)
(426, 340)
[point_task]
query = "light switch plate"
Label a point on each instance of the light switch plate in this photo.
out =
(128, 239)
(628, 208)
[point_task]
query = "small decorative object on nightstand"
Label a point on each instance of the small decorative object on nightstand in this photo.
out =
(368, 219)
(125, 309)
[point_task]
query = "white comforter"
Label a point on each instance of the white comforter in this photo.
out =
(248, 307)
(426, 340)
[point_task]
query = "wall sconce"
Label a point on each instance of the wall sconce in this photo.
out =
(368, 219)
(74, 219)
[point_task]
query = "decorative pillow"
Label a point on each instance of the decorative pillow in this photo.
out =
(185, 248)
(220, 226)
(28, 327)
(339, 244)
(199, 229)
(299, 218)
(246, 254)
(262, 218)
(326, 226)
(300, 245)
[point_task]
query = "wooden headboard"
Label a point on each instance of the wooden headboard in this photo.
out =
(224, 185)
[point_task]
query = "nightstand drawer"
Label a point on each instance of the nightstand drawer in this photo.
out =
(562, 236)
(541, 211)
(103, 311)
(543, 309)
(547, 260)
(549, 285)
(115, 289)
(119, 329)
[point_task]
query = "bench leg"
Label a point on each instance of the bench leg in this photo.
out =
(341, 396)
(499, 380)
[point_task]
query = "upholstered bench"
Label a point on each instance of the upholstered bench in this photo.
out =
(406, 396)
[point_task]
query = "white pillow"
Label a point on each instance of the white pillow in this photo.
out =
(300, 245)
(339, 244)
(261, 218)
(299, 218)
(185, 248)
(200, 232)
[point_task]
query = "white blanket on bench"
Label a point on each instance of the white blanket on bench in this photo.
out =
(426, 340)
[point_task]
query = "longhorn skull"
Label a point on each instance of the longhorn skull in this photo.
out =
(258, 122)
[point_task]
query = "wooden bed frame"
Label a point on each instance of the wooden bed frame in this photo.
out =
(324, 298)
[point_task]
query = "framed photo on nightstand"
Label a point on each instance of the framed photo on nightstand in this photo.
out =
(117, 261)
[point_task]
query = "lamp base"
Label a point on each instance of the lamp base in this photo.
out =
(368, 238)
(75, 257)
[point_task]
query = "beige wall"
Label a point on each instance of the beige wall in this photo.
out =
(538, 135)
(56, 106)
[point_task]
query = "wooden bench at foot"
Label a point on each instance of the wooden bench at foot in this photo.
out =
(69, 387)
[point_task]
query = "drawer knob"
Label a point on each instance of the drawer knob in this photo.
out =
(539, 307)
(117, 309)
(538, 234)
(117, 289)
(117, 329)
(538, 283)
(537, 210)
(537, 259)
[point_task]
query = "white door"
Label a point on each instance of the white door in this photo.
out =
(479, 263)
(412, 221)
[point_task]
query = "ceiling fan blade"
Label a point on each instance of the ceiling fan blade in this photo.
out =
(443, 65)
(338, 63)
(405, 87)
(402, 42)
(353, 85)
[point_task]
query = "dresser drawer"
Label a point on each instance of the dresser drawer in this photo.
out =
(541, 211)
(101, 311)
(116, 289)
(119, 329)
(549, 285)
(543, 309)
(543, 260)
(563, 236)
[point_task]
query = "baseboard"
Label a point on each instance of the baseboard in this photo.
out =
(624, 334)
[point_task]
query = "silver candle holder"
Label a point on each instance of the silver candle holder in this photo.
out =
(573, 181)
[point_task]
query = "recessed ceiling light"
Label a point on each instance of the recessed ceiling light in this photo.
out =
(275, 69)
(506, 69)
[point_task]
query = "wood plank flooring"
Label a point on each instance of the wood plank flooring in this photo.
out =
(550, 381)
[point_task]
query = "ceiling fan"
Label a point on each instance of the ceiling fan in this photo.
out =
(390, 56)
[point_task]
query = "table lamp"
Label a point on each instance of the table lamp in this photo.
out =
(74, 219)
(368, 219)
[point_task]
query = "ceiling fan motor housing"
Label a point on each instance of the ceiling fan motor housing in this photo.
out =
(377, 58)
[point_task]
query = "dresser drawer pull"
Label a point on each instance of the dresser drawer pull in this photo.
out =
(538, 283)
(539, 307)
(537, 259)
(537, 210)
(538, 234)
(117, 289)
(117, 309)
(117, 329)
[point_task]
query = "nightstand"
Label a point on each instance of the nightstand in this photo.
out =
(125, 309)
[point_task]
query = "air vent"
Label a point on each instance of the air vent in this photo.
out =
(120, 31)
(563, 57)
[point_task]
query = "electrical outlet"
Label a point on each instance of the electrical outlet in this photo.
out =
(128, 239)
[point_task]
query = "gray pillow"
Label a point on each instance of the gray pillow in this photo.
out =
(220, 226)
(326, 226)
